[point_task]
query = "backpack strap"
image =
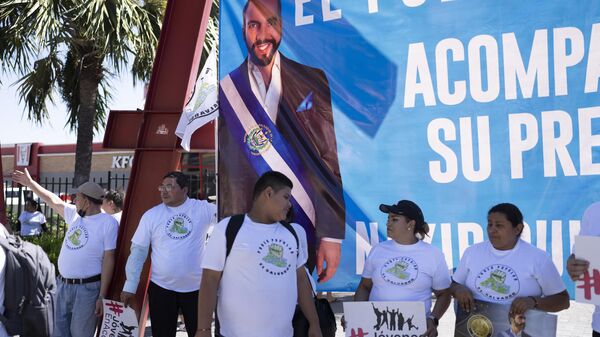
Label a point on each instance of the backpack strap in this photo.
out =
(233, 227)
(289, 227)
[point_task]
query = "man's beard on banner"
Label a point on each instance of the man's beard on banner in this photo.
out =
(266, 60)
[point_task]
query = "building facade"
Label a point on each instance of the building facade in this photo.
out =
(110, 168)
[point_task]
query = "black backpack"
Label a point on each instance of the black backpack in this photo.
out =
(29, 289)
(234, 225)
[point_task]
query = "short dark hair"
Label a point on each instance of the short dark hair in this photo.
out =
(181, 178)
(32, 202)
(116, 197)
(275, 180)
(255, 2)
(512, 213)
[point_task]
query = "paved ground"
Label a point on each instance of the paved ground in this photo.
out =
(574, 322)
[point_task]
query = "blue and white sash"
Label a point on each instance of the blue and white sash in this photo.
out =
(261, 142)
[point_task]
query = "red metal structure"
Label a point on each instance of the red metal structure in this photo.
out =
(152, 131)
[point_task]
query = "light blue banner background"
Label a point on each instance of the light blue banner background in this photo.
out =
(383, 144)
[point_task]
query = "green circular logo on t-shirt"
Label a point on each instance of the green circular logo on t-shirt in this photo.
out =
(76, 237)
(400, 271)
(179, 227)
(273, 259)
(498, 282)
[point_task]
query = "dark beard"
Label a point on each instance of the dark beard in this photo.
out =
(266, 60)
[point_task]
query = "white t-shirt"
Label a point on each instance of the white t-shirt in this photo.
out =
(117, 216)
(177, 236)
(258, 290)
(590, 226)
(406, 272)
(2, 274)
(500, 276)
(85, 242)
(31, 223)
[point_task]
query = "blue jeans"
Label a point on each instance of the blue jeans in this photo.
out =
(75, 305)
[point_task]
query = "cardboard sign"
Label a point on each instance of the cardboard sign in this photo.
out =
(118, 320)
(587, 289)
(402, 319)
(492, 320)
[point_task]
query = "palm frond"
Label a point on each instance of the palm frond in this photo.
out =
(36, 87)
(26, 28)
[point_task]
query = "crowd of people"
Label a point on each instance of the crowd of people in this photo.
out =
(250, 273)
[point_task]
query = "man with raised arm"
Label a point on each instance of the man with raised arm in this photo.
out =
(86, 259)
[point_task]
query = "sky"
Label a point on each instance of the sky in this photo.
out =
(15, 128)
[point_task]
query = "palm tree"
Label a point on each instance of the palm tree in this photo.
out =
(74, 47)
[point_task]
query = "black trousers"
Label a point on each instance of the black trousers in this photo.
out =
(164, 309)
(596, 334)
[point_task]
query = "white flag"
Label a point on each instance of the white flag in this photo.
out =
(204, 104)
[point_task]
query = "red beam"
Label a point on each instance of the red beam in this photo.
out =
(173, 76)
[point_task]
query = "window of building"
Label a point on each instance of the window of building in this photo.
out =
(201, 169)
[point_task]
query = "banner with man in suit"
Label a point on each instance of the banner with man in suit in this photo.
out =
(456, 104)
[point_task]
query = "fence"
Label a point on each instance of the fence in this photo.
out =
(15, 195)
(201, 186)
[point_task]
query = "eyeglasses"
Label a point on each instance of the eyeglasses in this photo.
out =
(165, 188)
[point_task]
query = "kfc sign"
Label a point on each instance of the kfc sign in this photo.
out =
(23, 154)
(122, 162)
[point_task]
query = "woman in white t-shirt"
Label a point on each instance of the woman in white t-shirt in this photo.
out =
(31, 219)
(508, 270)
(406, 268)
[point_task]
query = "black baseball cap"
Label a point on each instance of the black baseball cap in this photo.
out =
(406, 208)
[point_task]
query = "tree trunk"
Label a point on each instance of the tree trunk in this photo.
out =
(89, 80)
(2, 204)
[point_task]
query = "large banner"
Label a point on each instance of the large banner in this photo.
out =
(455, 104)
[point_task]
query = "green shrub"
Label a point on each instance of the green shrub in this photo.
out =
(50, 242)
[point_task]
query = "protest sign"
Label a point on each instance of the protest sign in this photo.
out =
(587, 288)
(118, 320)
(394, 319)
(493, 320)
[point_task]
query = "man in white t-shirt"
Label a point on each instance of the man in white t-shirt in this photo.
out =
(86, 258)
(176, 230)
(263, 277)
(112, 203)
(590, 226)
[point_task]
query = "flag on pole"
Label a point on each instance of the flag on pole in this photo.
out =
(204, 104)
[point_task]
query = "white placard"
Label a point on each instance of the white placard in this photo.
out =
(118, 320)
(587, 289)
(385, 319)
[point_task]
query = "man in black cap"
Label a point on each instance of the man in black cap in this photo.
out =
(86, 259)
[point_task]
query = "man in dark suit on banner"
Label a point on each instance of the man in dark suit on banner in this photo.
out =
(276, 115)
